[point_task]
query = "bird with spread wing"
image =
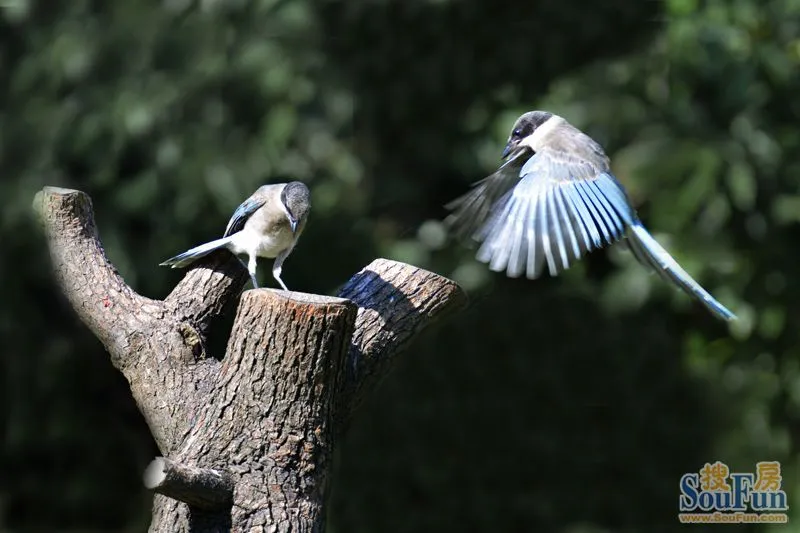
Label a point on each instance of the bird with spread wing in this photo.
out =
(552, 201)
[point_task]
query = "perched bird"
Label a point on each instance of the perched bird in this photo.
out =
(267, 224)
(553, 200)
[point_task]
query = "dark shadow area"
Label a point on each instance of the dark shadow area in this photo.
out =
(369, 290)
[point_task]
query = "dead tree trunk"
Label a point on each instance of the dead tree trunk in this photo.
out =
(246, 441)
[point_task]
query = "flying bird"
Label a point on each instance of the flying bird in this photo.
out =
(553, 200)
(267, 225)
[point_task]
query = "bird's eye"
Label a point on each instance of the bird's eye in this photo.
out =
(516, 133)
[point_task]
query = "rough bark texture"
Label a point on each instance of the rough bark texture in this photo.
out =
(247, 441)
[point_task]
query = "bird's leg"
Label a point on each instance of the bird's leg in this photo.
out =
(251, 268)
(277, 268)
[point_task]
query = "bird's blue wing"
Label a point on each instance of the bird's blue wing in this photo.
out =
(242, 213)
(470, 211)
(561, 208)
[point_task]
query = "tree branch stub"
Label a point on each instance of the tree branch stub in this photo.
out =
(203, 488)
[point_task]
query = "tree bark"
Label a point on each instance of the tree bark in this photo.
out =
(246, 441)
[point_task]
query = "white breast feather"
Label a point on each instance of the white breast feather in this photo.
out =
(539, 135)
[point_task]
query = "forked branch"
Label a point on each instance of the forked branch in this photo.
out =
(246, 441)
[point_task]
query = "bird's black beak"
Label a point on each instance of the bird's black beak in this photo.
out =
(507, 150)
(293, 224)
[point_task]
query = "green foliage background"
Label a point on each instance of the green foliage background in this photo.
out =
(569, 405)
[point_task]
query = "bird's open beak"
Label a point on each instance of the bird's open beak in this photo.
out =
(293, 224)
(506, 151)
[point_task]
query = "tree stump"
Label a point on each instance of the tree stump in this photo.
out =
(246, 441)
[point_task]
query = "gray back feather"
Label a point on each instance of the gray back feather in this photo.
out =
(257, 200)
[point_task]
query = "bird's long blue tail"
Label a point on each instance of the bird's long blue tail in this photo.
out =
(647, 250)
(190, 256)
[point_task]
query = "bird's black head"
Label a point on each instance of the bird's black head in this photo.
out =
(524, 126)
(297, 200)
